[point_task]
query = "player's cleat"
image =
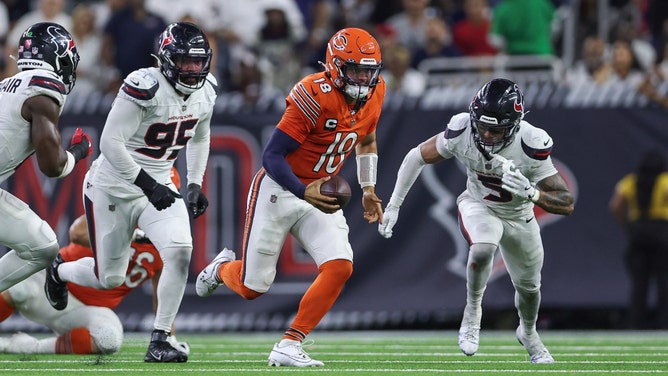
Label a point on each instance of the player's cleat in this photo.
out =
(469, 339)
(207, 280)
(537, 351)
(22, 343)
(54, 288)
(161, 351)
(469, 331)
(289, 353)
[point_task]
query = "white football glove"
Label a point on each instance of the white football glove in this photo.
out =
(518, 184)
(181, 346)
(390, 216)
(506, 164)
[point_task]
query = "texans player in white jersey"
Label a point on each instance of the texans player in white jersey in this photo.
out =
(509, 170)
(156, 113)
(30, 104)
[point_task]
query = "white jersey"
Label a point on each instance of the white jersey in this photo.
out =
(15, 131)
(529, 151)
(149, 123)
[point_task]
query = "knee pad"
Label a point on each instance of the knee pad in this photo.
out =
(107, 333)
(482, 253)
(527, 287)
(112, 281)
(42, 256)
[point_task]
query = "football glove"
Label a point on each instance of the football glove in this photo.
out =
(506, 164)
(518, 184)
(81, 145)
(160, 196)
(181, 346)
(197, 202)
(390, 216)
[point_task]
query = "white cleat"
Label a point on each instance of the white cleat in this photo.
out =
(537, 351)
(469, 339)
(289, 353)
(469, 330)
(207, 280)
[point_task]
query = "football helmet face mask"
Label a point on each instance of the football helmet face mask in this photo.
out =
(496, 111)
(353, 62)
(47, 45)
(184, 56)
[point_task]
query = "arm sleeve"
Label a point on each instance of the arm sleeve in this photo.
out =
(122, 122)
(273, 160)
(197, 152)
(408, 172)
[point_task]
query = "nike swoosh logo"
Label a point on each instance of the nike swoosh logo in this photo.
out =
(529, 220)
(546, 142)
(135, 82)
(157, 356)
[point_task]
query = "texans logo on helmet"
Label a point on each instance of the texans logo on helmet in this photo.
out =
(62, 40)
(169, 39)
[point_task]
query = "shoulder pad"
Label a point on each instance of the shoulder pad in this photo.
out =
(140, 85)
(211, 79)
(305, 95)
(47, 83)
(211, 86)
(536, 143)
(457, 125)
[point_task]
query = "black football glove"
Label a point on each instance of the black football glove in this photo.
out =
(197, 202)
(158, 194)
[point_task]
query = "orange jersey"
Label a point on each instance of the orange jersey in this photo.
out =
(318, 117)
(144, 263)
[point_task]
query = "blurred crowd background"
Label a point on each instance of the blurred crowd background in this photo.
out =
(265, 46)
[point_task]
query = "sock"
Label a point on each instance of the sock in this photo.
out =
(319, 298)
(230, 274)
(527, 304)
(6, 309)
(76, 341)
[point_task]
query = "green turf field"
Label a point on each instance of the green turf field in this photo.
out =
(375, 353)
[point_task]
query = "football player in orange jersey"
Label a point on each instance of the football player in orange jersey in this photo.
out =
(328, 115)
(87, 325)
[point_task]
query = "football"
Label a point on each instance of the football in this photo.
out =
(337, 187)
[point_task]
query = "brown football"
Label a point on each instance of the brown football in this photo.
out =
(337, 187)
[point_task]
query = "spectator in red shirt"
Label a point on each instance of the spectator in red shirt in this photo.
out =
(470, 33)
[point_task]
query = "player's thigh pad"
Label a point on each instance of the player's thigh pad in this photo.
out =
(522, 250)
(31, 303)
(477, 223)
(271, 213)
(168, 228)
(24, 231)
(114, 221)
(324, 236)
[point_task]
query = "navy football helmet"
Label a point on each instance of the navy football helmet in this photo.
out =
(497, 108)
(47, 45)
(181, 44)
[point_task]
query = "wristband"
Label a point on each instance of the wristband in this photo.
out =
(367, 168)
(69, 165)
(536, 195)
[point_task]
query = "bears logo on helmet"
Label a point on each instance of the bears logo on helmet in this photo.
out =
(353, 62)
